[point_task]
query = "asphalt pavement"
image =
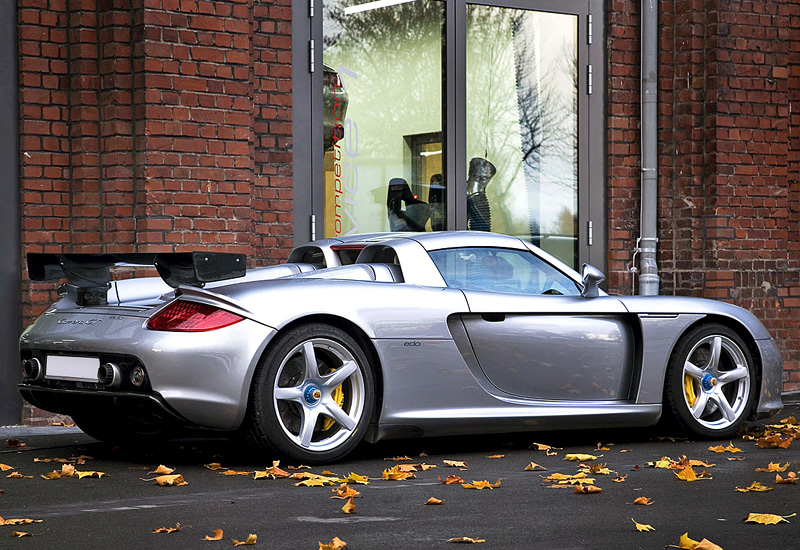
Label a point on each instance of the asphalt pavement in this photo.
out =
(121, 509)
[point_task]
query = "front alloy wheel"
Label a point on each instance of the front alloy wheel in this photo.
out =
(313, 394)
(711, 381)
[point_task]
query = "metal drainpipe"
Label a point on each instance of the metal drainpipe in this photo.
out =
(647, 243)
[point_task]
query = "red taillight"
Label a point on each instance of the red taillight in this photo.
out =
(181, 316)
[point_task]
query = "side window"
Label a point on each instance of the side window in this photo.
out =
(501, 270)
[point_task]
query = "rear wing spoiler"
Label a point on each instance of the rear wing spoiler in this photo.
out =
(91, 273)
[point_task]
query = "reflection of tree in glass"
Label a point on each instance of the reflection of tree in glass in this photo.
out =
(397, 53)
(515, 123)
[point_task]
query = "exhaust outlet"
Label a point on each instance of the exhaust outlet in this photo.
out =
(110, 375)
(32, 369)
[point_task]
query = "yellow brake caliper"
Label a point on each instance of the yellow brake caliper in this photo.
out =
(688, 390)
(338, 397)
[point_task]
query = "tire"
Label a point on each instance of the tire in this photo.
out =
(711, 382)
(312, 395)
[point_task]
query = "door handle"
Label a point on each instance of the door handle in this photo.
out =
(493, 317)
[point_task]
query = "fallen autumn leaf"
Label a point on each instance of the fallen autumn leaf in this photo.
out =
(167, 529)
(251, 539)
(335, 544)
(642, 526)
(481, 485)
(767, 519)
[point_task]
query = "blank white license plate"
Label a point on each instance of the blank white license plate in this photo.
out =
(79, 369)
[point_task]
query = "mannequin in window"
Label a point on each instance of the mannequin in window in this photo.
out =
(406, 212)
(479, 213)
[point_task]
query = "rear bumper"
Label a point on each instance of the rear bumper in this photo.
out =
(203, 377)
(147, 409)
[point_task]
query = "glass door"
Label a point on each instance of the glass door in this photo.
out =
(382, 105)
(522, 126)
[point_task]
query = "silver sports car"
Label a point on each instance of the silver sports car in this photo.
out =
(384, 336)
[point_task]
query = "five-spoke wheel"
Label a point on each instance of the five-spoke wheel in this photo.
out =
(312, 394)
(711, 381)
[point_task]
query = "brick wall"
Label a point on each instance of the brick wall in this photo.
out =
(728, 156)
(154, 125)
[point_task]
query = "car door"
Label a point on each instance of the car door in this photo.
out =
(532, 333)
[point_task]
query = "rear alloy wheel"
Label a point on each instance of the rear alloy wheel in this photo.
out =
(313, 395)
(711, 382)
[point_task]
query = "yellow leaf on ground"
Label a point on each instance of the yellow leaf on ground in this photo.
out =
(533, 466)
(642, 526)
(620, 479)
(213, 466)
(310, 483)
(349, 507)
(167, 529)
(5, 467)
(587, 489)
(791, 420)
(451, 479)
(272, 472)
(688, 474)
(599, 469)
(398, 458)
(455, 463)
(755, 487)
(644, 501)
(235, 473)
(729, 449)
(356, 478)
(564, 479)
(162, 470)
(581, 457)
(774, 467)
(774, 441)
(18, 521)
(20, 534)
(396, 474)
(466, 540)
(251, 539)
(82, 475)
(175, 480)
(689, 544)
(17, 475)
(407, 467)
(344, 491)
(767, 519)
(496, 456)
(790, 479)
(316, 477)
(217, 535)
(543, 447)
(481, 485)
(424, 467)
(335, 544)
(433, 501)
(67, 470)
(300, 467)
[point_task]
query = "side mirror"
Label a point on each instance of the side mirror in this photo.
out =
(592, 277)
